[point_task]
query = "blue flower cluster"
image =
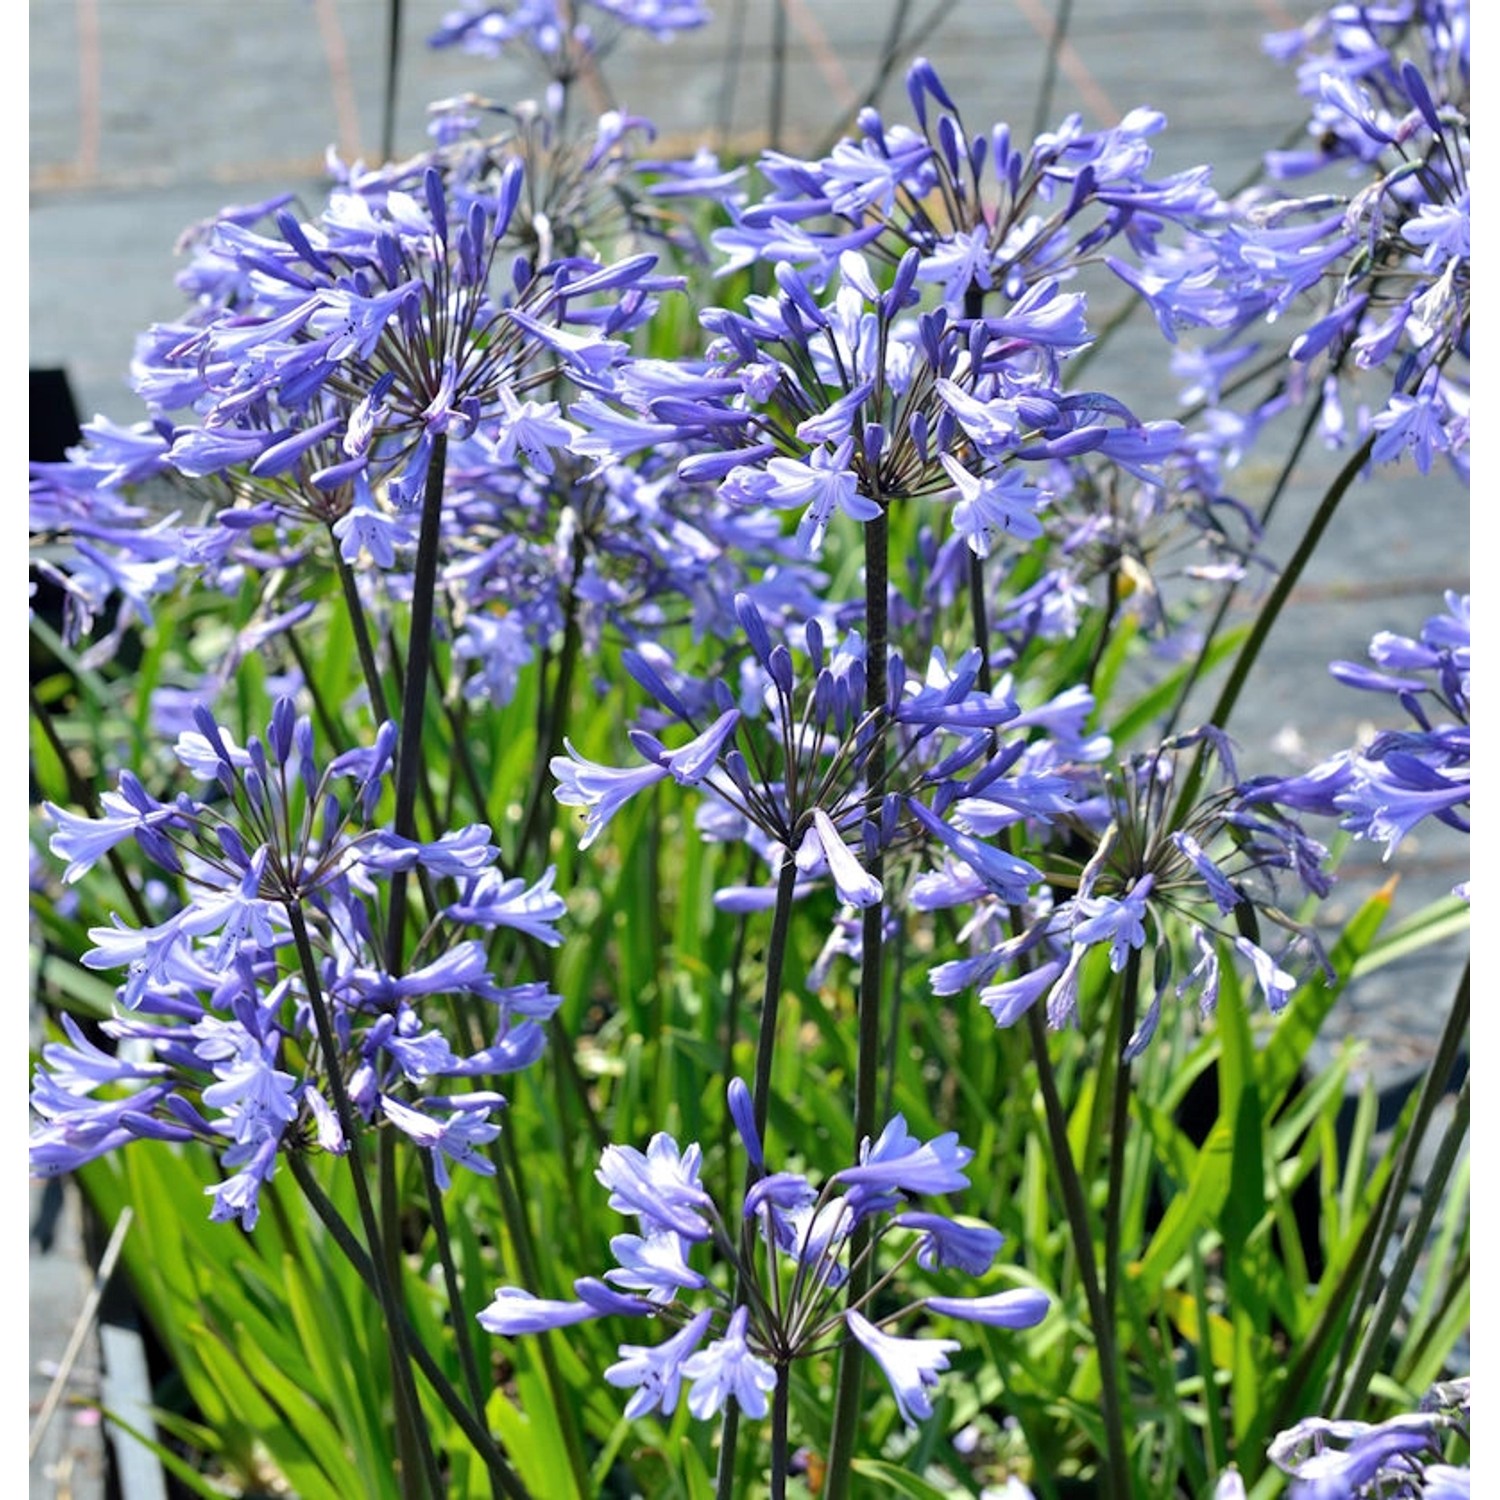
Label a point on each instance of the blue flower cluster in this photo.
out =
(562, 36)
(430, 407)
(1382, 790)
(231, 1000)
(1386, 262)
(1400, 1458)
(790, 1255)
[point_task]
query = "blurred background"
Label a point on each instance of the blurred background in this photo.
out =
(149, 115)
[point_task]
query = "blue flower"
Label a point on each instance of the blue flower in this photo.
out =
(490, 900)
(1275, 983)
(1122, 921)
(216, 992)
(783, 1314)
(654, 1264)
(1352, 1460)
(1006, 875)
(727, 1368)
(457, 1138)
(601, 790)
(992, 504)
(823, 845)
(514, 1312)
(1416, 423)
(1023, 1307)
(945, 1242)
(84, 841)
(742, 1112)
(823, 484)
(655, 1373)
(1009, 1000)
(661, 1186)
(912, 1366)
(898, 1162)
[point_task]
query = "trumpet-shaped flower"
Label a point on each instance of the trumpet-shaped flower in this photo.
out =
(912, 1366)
(727, 1368)
(654, 1372)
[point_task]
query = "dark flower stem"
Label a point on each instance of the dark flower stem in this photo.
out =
(385, 1248)
(408, 1412)
(893, 1034)
(362, 643)
(979, 614)
(898, 44)
(392, 77)
(429, 802)
(765, 1051)
(1283, 478)
(550, 719)
(484, 1445)
(729, 1433)
(1055, 43)
(330, 726)
(729, 1032)
(408, 777)
(1433, 1088)
(867, 1064)
(778, 74)
(552, 715)
(1372, 1348)
(1111, 607)
(765, 1046)
(462, 1335)
(1119, 1123)
(1075, 1206)
(1291, 575)
(414, 690)
(780, 1448)
(1269, 613)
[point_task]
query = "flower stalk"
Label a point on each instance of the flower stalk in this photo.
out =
(846, 1406)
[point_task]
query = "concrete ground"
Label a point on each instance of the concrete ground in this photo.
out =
(149, 115)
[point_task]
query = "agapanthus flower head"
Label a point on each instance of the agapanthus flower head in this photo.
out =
(792, 1246)
(587, 192)
(434, 305)
(988, 217)
(277, 856)
(1401, 1458)
(1384, 789)
(1139, 855)
(1372, 276)
(786, 768)
(562, 40)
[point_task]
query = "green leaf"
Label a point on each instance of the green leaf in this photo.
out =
(1311, 1002)
(1442, 921)
(515, 1431)
(897, 1480)
(184, 1473)
(700, 1483)
(1156, 703)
